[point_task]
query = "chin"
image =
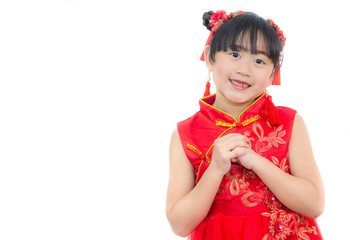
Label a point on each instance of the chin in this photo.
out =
(237, 98)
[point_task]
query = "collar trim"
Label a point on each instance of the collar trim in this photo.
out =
(237, 122)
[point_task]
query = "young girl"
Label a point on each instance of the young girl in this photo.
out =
(241, 168)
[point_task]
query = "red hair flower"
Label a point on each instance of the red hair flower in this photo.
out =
(219, 17)
(279, 31)
(215, 17)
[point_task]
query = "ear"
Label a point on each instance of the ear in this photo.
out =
(206, 58)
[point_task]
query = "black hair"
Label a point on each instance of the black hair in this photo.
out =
(232, 35)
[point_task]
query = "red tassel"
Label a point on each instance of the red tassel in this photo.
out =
(206, 44)
(269, 113)
(207, 89)
(277, 78)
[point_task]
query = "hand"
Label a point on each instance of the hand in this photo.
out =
(227, 149)
(248, 159)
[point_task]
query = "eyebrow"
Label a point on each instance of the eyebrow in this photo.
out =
(241, 48)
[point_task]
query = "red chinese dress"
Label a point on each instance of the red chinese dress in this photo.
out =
(244, 208)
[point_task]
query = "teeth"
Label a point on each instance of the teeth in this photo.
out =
(239, 84)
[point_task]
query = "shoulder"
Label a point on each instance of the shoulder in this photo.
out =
(175, 137)
(175, 143)
(300, 140)
(177, 154)
(299, 125)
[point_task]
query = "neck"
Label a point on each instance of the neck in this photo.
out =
(232, 108)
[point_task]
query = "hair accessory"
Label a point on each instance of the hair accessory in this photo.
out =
(219, 17)
(277, 78)
(215, 17)
(207, 87)
(216, 20)
(279, 32)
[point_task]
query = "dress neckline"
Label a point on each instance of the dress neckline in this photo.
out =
(248, 115)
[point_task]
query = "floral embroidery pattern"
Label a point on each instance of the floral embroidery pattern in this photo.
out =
(284, 222)
(243, 184)
(265, 143)
(282, 165)
(237, 182)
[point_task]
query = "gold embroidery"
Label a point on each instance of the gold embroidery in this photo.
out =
(234, 191)
(282, 165)
(236, 124)
(253, 201)
(284, 222)
(265, 143)
(202, 157)
(219, 123)
(303, 230)
(202, 100)
(197, 174)
(194, 149)
(199, 153)
(237, 184)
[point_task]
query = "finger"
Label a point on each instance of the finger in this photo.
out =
(237, 152)
(237, 142)
(235, 145)
(230, 146)
(236, 136)
(229, 142)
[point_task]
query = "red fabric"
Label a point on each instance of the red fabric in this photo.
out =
(207, 89)
(207, 44)
(244, 208)
(269, 113)
(277, 78)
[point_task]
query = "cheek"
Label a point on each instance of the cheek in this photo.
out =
(265, 76)
(221, 73)
(222, 69)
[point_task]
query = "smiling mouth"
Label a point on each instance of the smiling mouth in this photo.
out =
(239, 83)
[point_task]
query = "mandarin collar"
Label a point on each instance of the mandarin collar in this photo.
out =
(217, 115)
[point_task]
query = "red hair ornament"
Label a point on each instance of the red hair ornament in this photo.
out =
(216, 20)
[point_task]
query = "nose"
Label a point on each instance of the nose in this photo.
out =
(243, 67)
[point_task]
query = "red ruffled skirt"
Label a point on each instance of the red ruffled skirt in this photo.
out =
(253, 227)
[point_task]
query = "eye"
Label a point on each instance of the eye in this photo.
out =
(235, 55)
(259, 61)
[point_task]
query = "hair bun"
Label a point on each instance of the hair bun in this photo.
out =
(206, 18)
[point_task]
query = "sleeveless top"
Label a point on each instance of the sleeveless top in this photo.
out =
(244, 208)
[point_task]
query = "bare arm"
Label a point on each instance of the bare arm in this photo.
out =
(188, 204)
(302, 191)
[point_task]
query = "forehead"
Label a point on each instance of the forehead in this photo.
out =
(252, 43)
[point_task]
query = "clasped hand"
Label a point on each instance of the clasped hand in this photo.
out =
(233, 147)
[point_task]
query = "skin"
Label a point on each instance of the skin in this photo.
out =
(301, 191)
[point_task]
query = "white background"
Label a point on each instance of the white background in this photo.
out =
(90, 92)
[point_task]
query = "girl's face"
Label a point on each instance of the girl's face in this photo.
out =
(240, 76)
